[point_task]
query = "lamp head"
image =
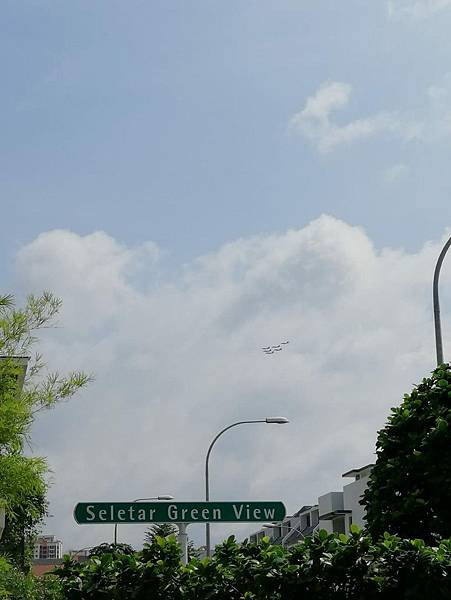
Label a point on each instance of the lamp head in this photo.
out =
(278, 420)
(166, 497)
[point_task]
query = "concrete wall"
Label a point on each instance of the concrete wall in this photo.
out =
(352, 493)
(40, 567)
(329, 503)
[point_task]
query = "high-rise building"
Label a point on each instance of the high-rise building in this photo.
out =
(47, 547)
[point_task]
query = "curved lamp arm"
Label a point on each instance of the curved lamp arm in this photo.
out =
(207, 485)
(436, 303)
(277, 420)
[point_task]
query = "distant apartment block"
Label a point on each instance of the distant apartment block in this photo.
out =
(47, 547)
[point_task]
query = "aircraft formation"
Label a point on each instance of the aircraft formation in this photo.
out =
(274, 349)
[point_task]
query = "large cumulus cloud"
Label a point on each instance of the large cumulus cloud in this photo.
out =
(177, 358)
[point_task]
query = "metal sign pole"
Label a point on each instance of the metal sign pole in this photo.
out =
(183, 541)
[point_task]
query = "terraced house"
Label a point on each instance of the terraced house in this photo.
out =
(334, 512)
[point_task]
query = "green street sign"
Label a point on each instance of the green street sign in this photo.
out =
(178, 512)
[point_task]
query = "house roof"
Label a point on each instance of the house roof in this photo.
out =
(354, 472)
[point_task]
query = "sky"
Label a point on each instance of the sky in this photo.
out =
(197, 180)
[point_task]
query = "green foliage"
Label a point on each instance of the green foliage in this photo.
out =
(23, 489)
(22, 479)
(322, 567)
(106, 548)
(150, 574)
(161, 530)
(165, 530)
(409, 491)
(15, 585)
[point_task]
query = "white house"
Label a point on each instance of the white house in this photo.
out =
(292, 528)
(338, 510)
(335, 512)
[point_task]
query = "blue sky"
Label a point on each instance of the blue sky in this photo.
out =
(163, 168)
(169, 121)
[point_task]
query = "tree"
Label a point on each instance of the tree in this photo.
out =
(160, 530)
(193, 552)
(164, 530)
(409, 490)
(22, 396)
(107, 548)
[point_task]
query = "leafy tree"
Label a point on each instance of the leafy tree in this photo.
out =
(15, 585)
(22, 478)
(193, 552)
(409, 491)
(161, 530)
(107, 548)
(164, 530)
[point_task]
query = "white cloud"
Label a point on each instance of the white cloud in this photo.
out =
(177, 361)
(416, 9)
(396, 173)
(429, 122)
(314, 120)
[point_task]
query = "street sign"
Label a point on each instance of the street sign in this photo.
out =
(178, 512)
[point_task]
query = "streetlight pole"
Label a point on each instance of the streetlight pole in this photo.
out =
(435, 298)
(164, 497)
(278, 420)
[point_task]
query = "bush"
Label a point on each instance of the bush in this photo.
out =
(107, 548)
(323, 567)
(409, 490)
(15, 585)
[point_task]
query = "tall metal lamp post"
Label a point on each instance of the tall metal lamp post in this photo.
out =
(277, 420)
(435, 298)
(163, 497)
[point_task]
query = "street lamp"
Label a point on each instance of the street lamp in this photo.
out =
(270, 420)
(163, 497)
(436, 303)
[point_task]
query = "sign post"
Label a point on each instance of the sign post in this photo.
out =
(179, 513)
(182, 539)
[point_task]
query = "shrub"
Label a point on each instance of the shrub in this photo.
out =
(15, 585)
(323, 567)
(409, 490)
